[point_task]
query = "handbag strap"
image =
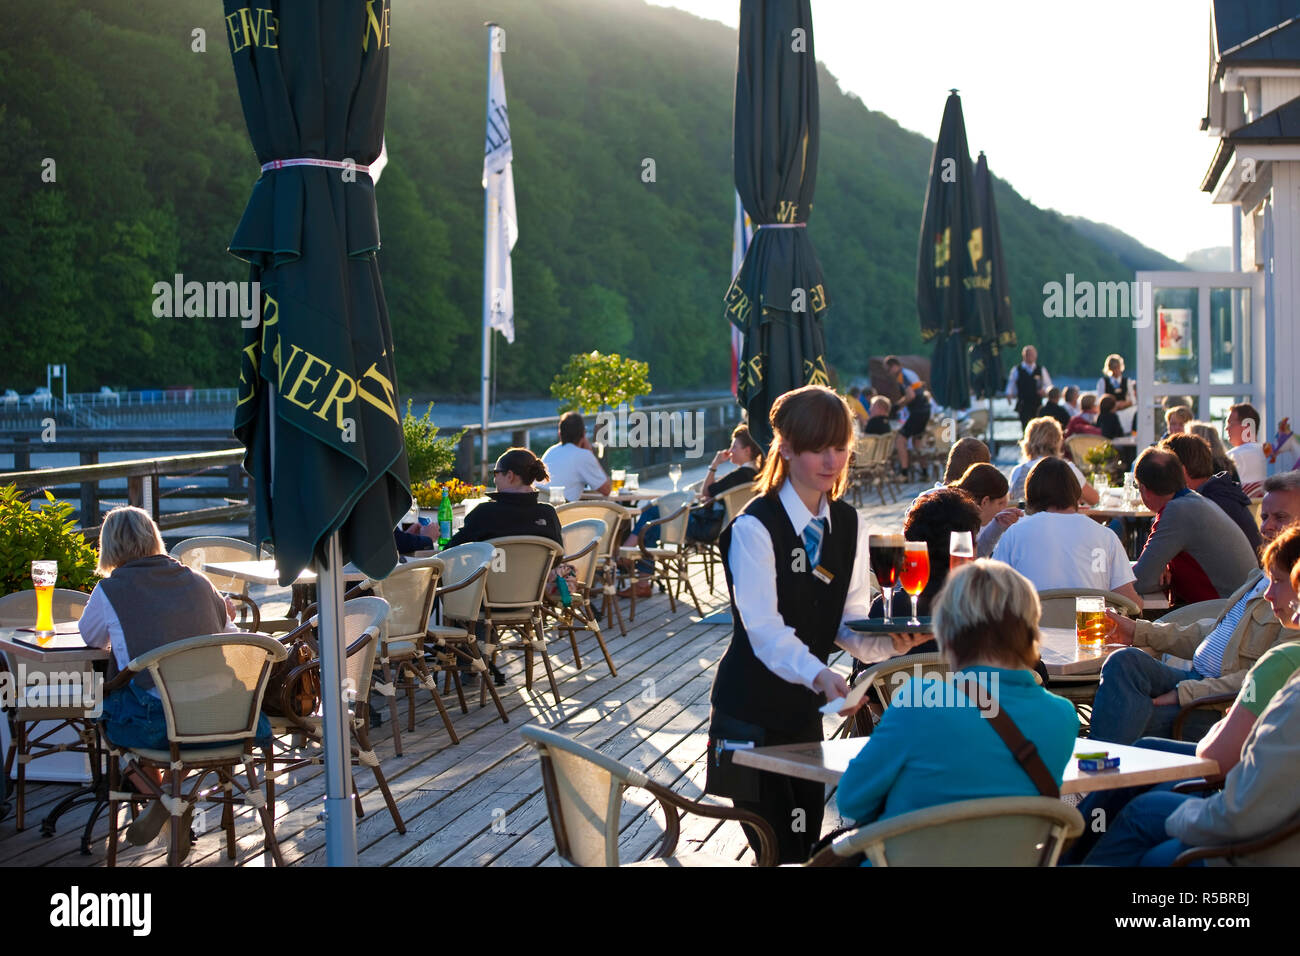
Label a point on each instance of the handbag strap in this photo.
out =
(1022, 748)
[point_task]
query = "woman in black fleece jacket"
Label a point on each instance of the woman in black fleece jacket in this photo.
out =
(513, 508)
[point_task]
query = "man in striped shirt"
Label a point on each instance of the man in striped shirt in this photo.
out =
(1140, 696)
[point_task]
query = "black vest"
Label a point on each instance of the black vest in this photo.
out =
(1119, 391)
(1027, 386)
(744, 687)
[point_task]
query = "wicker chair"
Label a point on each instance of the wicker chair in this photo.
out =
(584, 792)
(516, 588)
(409, 591)
(464, 584)
(993, 831)
(1058, 605)
(733, 501)
(671, 556)
(884, 680)
(581, 544)
(1078, 447)
(211, 690)
(196, 552)
(617, 520)
(363, 621)
(35, 723)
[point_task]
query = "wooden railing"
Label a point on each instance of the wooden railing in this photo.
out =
(142, 486)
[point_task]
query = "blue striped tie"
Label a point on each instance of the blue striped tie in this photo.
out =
(812, 540)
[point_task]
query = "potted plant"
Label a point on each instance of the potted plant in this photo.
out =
(592, 381)
(44, 533)
(427, 455)
(1103, 459)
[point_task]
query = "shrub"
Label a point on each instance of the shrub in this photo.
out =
(46, 533)
(427, 455)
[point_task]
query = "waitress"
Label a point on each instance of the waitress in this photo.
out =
(797, 568)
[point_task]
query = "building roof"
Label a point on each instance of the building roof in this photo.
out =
(1255, 32)
(1279, 126)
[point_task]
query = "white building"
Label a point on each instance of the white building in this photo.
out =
(1225, 337)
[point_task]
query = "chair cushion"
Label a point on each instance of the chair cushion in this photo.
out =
(395, 650)
(445, 633)
(194, 755)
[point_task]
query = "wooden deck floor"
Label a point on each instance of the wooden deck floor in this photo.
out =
(480, 803)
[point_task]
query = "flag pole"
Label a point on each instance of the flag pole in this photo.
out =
(340, 823)
(485, 372)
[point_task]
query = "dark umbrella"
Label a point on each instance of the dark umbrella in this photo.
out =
(317, 406)
(777, 299)
(987, 376)
(951, 291)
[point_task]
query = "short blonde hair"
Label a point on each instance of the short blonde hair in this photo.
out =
(1180, 413)
(1042, 438)
(987, 611)
(127, 534)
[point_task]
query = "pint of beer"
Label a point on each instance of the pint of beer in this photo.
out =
(1091, 627)
(44, 575)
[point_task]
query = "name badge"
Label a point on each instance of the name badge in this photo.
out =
(822, 575)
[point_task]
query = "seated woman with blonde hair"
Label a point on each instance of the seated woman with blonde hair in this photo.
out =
(146, 600)
(1044, 439)
(934, 744)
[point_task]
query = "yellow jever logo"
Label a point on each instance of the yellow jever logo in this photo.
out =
(815, 373)
(787, 211)
(253, 27)
(976, 247)
(942, 248)
(378, 23)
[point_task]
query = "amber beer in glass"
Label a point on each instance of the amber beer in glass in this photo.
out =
(44, 575)
(616, 479)
(916, 573)
(1091, 627)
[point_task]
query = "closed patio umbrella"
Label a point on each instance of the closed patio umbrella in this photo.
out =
(987, 377)
(317, 408)
(952, 296)
(778, 299)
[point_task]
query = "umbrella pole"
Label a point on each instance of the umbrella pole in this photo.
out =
(340, 824)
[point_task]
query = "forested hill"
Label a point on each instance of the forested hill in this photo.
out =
(154, 166)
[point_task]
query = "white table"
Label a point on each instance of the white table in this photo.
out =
(825, 762)
(265, 572)
(1059, 649)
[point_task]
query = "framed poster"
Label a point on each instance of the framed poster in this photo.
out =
(1175, 334)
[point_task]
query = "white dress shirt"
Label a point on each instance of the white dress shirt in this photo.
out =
(753, 574)
(1011, 379)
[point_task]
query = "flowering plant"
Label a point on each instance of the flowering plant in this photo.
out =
(428, 494)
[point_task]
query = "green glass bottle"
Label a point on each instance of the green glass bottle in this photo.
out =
(444, 518)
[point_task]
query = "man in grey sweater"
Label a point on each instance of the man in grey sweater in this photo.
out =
(1207, 555)
(1260, 794)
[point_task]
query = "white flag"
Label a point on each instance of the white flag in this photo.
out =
(499, 181)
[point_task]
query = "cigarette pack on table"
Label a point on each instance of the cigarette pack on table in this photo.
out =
(1103, 763)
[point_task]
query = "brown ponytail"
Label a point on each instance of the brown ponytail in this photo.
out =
(525, 464)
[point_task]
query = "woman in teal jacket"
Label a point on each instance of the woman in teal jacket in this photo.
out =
(933, 744)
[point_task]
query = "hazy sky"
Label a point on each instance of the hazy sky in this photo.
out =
(1090, 108)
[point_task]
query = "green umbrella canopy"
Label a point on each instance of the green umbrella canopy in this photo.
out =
(987, 376)
(778, 298)
(952, 296)
(317, 406)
